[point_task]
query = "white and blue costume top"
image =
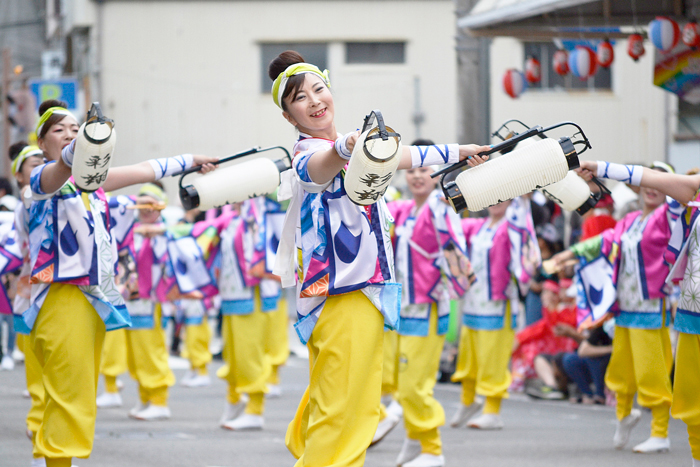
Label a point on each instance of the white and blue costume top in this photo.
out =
(70, 242)
(244, 253)
(333, 245)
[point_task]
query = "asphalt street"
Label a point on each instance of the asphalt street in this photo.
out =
(537, 433)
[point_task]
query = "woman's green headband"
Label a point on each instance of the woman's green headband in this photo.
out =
(154, 191)
(25, 154)
(47, 115)
(279, 85)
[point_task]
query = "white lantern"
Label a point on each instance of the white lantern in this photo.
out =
(516, 173)
(244, 180)
(374, 161)
(572, 194)
(94, 150)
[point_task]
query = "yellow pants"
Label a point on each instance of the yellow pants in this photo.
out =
(390, 369)
(420, 362)
(641, 363)
(482, 364)
(249, 368)
(339, 412)
(197, 337)
(67, 340)
(35, 386)
(147, 359)
(113, 361)
(277, 339)
(686, 400)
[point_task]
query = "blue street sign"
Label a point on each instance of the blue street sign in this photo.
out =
(63, 89)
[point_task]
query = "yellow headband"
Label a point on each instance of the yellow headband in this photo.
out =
(47, 115)
(297, 69)
(25, 154)
(154, 191)
(662, 166)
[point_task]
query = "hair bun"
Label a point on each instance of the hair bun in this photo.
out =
(282, 61)
(47, 104)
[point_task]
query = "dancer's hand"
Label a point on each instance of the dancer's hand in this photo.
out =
(587, 170)
(345, 144)
(470, 153)
(559, 261)
(207, 163)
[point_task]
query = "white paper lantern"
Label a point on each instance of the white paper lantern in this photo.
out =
(94, 150)
(519, 172)
(372, 165)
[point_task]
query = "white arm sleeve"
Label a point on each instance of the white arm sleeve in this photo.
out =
(422, 156)
(168, 166)
(631, 174)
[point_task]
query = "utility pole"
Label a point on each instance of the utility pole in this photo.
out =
(6, 65)
(418, 115)
(474, 82)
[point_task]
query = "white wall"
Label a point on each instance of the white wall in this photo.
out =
(626, 124)
(685, 155)
(77, 14)
(184, 76)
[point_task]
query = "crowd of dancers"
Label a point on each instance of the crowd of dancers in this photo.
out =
(371, 286)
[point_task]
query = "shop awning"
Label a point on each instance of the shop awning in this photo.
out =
(576, 19)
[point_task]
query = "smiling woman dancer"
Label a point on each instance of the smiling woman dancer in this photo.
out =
(343, 257)
(641, 358)
(74, 298)
(684, 253)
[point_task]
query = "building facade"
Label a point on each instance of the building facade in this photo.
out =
(191, 76)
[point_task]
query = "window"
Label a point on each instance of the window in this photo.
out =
(544, 51)
(316, 53)
(375, 52)
(688, 121)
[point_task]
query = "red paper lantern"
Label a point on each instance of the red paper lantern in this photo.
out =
(514, 83)
(605, 53)
(691, 35)
(560, 62)
(635, 46)
(533, 70)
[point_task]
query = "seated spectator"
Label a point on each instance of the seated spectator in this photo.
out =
(542, 337)
(586, 367)
(550, 381)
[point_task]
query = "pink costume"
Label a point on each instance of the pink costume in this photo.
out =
(644, 242)
(499, 254)
(431, 262)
